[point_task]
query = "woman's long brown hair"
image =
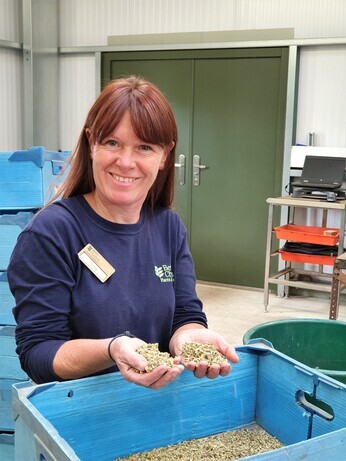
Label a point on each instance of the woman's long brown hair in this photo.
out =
(152, 121)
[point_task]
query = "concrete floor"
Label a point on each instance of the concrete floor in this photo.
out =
(232, 311)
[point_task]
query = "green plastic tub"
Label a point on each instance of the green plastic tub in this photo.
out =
(319, 344)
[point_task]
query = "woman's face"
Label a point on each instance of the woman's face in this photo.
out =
(125, 168)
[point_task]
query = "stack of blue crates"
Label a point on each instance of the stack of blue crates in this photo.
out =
(29, 179)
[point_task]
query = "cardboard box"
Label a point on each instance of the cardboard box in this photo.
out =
(106, 417)
(29, 178)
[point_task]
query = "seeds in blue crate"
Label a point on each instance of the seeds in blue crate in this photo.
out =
(227, 446)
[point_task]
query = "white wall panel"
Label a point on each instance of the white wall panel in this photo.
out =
(83, 22)
(11, 97)
(322, 96)
(90, 22)
(76, 95)
(160, 16)
(310, 18)
(11, 20)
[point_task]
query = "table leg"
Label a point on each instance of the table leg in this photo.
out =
(268, 252)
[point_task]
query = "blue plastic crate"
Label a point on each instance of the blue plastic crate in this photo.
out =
(11, 225)
(6, 417)
(10, 373)
(30, 177)
(7, 301)
(9, 362)
(7, 446)
(106, 417)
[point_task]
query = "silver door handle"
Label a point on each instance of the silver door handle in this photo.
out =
(196, 168)
(181, 166)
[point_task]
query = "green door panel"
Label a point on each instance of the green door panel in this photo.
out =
(230, 110)
(173, 77)
(235, 132)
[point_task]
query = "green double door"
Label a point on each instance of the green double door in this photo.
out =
(230, 108)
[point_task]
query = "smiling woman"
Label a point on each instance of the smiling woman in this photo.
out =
(148, 116)
(107, 268)
(124, 170)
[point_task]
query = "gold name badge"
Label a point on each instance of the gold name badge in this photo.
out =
(96, 263)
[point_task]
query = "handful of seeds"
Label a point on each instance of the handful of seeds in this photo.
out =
(191, 352)
(202, 352)
(154, 356)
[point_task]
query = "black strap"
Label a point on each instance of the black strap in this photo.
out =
(126, 333)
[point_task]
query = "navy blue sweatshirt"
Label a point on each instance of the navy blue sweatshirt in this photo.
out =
(151, 293)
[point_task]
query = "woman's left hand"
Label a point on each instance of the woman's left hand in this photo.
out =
(198, 334)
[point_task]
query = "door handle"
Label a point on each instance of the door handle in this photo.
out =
(181, 166)
(196, 169)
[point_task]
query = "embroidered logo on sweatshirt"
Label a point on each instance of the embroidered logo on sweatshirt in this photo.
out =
(164, 273)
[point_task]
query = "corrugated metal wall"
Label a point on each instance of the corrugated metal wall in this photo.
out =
(11, 20)
(90, 22)
(85, 23)
(11, 71)
(310, 18)
(11, 98)
(76, 95)
(322, 96)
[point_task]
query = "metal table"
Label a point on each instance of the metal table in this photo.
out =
(283, 277)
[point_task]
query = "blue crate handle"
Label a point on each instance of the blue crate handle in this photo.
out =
(38, 155)
(20, 219)
(57, 166)
(42, 449)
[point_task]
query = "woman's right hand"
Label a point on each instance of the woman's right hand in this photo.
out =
(132, 365)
